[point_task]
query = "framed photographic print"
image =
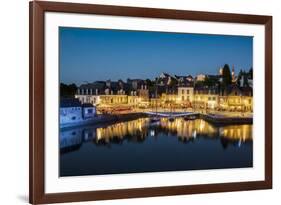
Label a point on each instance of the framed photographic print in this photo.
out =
(139, 102)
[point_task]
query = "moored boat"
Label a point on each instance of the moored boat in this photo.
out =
(189, 117)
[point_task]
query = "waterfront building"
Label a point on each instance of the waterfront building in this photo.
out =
(169, 99)
(185, 95)
(143, 92)
(237, 98)
(203, 92)
(205, 98)
(155, 103)
(88, 110)
(108, 100)
(133, 100)
(73, 112)
(70, 111)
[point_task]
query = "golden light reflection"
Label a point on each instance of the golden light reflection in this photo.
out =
(183, 129)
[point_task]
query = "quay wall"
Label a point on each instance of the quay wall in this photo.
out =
(226, 120)
(104, 119)
(213, 119)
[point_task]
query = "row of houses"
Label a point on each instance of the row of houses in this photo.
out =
(167, 91)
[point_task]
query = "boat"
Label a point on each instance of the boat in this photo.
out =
(189, 117)
(154, 119)
(171, 119)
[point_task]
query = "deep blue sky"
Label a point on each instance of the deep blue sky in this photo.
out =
(95, 54)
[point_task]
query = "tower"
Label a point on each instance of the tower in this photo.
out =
(233, 74)
(220, 71)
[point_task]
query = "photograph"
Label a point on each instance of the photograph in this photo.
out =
(147, 101)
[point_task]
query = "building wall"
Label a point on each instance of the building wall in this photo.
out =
(171, 98)
(206, 101)
(70, 115)
(133, 100)
(89, 112)
(103, 99)
(236, 103)
(95, 100)
(84, 98)
(113, 99)
(143, 94)
(185, 94)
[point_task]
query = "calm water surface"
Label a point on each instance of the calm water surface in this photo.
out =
(142, 146)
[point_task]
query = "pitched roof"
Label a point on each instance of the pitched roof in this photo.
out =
(206, 90)
(70, 102)
(234, 89)
(87, 105)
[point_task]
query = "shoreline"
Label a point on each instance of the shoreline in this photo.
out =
(223, 120)
(217, 120)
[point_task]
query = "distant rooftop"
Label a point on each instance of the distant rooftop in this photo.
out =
(70, 102)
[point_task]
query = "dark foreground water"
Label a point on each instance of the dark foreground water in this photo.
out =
(142, 146)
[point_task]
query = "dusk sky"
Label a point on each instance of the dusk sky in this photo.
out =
(87, 55)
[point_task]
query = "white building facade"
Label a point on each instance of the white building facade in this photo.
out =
(185, 94)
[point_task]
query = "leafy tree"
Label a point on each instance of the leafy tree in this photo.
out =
(250, 73)
(149, 83)
(210, 81)
(67, 90)
(243, 74)
(240, 74)
(226, 76)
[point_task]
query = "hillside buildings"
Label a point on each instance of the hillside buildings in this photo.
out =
(199, 92)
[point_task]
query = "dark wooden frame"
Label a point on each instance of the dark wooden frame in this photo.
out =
(36, 106)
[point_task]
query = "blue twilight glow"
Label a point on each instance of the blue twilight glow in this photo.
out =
(87, 55)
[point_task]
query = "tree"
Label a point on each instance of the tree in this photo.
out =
(210, 81)
(250, 73)
(226, 76)
(240, 74)
(149, 83)
(67, 90)
(245, 75)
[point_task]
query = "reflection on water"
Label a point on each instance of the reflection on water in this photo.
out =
(157, 135)
(183, 130)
